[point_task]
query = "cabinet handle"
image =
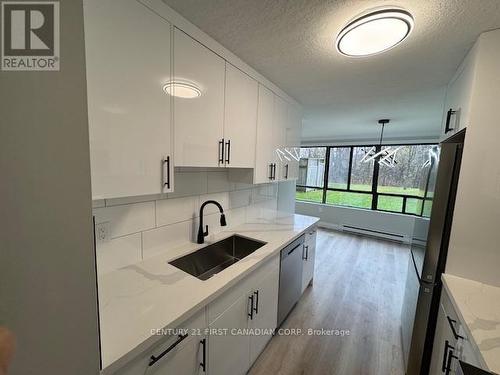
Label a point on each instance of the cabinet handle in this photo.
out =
(256, 309)
(203, 363)
(452, 326)
(286, 172)
(250, 314)
(228, 156)
(448, 119)
(153, 359)
(271, 171)
(274, 171)
(447, 346)
(166, 172)
(221, 151)
(305, 252)
(450, 356)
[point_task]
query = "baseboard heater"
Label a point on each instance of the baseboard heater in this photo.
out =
(369, 232)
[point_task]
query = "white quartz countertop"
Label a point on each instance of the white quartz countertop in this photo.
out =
(137, 299)
(478, 306)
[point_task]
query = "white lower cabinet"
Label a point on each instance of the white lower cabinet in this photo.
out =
(451, 343)
(236, 337)
(228, 350)
(265, 318)
(184, 360)
(184, 353)
(308, 256)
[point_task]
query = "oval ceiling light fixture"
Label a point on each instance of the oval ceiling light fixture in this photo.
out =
(182, 89)
(374, 32)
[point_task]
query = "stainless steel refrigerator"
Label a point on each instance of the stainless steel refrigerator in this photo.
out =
(431, 234)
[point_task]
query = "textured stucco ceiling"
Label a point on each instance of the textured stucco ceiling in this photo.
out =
(291, 42)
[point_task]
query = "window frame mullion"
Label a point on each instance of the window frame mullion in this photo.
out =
(326, 171)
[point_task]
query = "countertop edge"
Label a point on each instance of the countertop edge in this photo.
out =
(154, 339)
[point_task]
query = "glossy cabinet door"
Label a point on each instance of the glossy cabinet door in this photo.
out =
(280, 122)
(228, 352)
(292, 142)
(266, 313)
(183, 359)
(198, 121)
(265, 154)
(240, 118)
(128, 58)
(456, 114)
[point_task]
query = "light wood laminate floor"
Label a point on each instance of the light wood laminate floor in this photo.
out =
(358, 286)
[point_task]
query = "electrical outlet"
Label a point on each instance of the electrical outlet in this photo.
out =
(103, 231)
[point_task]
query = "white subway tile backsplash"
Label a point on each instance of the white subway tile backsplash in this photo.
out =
(218, 182)
(240, 198)
(264, 192)
(236, 216)
(169, 211)
(160, 239)
(141, 227)
(131, 200)
(189, 183)
(118, 253)
(127, 219)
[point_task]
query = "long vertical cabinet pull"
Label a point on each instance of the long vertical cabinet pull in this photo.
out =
(166, 172)
(221, 151)
(274, 171)
(286, 172)
(228, 151)
(271, 171)
(452, 323)
(450, 113)
(250, 314)
(203, 363)
(256, 308)
(305, 252)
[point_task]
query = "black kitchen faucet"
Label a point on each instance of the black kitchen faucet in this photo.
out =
(202, 234)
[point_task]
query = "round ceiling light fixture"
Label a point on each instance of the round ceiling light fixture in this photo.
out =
(182, 89)
(374, 32)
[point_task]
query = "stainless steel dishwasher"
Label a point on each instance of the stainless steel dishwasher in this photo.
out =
(290, 277)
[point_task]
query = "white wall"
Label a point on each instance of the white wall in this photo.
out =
(47, 264)
(474, 250)
(141, 227)
(336, 216)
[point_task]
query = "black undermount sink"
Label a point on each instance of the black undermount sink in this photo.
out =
(211, 259)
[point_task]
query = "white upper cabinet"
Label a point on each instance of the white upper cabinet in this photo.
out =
(198, 121)
(456, 114)
(240, 118)
(292, 142)
(265, 155)
(280, 123)
(128, 62)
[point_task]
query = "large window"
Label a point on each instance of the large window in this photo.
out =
(391, 178)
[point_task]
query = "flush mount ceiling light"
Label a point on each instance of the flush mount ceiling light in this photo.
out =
(374, 32)
(182, 90)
